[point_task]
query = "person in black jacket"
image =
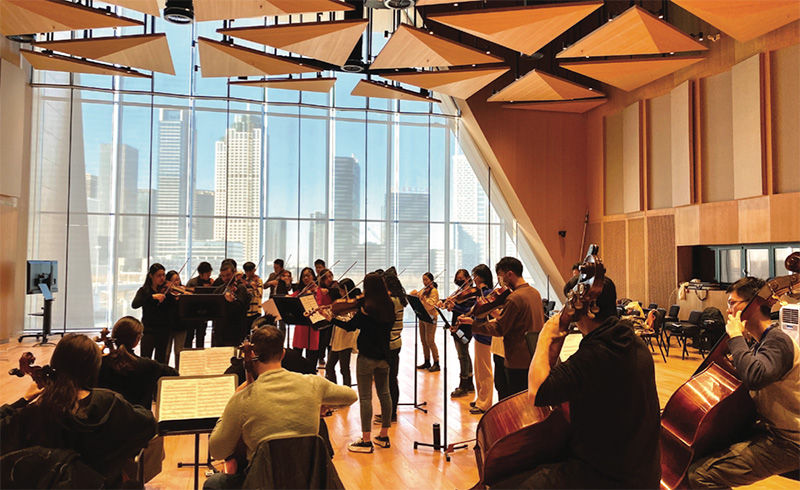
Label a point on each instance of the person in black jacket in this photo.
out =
(69, 413)
(156, 310)
(231, 330)
(133, 377)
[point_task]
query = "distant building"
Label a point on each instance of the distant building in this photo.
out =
(172, 181)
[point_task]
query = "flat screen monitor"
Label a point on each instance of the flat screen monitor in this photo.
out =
(42, 272)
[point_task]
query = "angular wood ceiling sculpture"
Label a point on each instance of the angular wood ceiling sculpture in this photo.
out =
(323, 85)
(146, 52)
(631, 74)
(744, 20)
(366, 88)
(524, 29)
(635, 31)
(218, 59)
(56, 62)
(540, 86)
(327, 41)
(35, 16)
(424, 3)
(410, 47)
(243, 9)
(573, 106)
(149, 7)
(459, 83)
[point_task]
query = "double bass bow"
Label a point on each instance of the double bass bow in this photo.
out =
(514, 435)
(713, 409)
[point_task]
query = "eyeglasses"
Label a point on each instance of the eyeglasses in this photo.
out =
(731, 304)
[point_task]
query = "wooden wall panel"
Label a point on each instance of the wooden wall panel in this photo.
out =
(661, 259)
(630, 159)
(784, 223)
(681, 150)
(716, 139)
(719, 223)
(746, 127)
(613, 176)
(659, 152)
(687, 225)
(754, 222)
(613, 253)
(786, 118)
(637, 261)
(11, 131)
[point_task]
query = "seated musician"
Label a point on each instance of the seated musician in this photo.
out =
(770, 369)
(522, 312)
(278, 404)
(614, 410)
(70, 413)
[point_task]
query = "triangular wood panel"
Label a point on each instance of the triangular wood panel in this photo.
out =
(56, 62)
(366, 88)
(744, 20)
(327, 41)
(149, 7)
(540, 86)
(425, 3)
(218, 59)
(459, 83)
(243, 9)
(631, 74)
(636, 31)
(35, 16)
(524, 29)
(410, 47)
(323, 85)
(146, 52)
(573, 106)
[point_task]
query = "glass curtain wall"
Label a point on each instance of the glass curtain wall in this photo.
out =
(183, 169)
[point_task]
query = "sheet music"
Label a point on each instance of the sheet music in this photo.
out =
(199, 362)
(194, 397)
(310, 303)
(270, 309)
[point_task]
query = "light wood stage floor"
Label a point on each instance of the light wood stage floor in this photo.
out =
(401, 466)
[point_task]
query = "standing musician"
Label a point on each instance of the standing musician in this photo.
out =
(197, 330)
(306, 337)
(613, 404)
(319, 266)
(272, 279)
(770, 368)
(219, 282)
(278, 404)
(397, 293)
(231, 330)
(255, 286)
(482, 276)
(327, 292)
(429, 295)
(462, 334)
(177, 328)
(343, 343)
(522, 312)
(156, 307)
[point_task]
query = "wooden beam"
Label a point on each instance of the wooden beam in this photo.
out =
(218, 59)
(458, 83)
(56, 62)
(145, 51)
(366, 88)
(35, 16)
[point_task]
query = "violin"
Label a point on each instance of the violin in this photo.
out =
(40, 374)
(340, 307)
(106, 339)
(485, 305)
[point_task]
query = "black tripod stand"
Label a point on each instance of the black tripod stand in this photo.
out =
(420, 315)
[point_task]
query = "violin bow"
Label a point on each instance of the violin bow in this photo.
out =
(178, 276)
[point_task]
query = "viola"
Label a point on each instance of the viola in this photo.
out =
(39, 374)
(514, 435)
(495, 299)
(714, 409)
(106, 339)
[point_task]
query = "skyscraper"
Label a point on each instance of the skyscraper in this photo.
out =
(118, 192)
(346, 209)
(202, 215)
(318, 239)
(470, 209)
(408, 238)
(237, 184)
(173, 167)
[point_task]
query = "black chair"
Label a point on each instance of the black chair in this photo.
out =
(294, 462)
(650, 307)
(690, 329)
(657, 325)
(672, 314)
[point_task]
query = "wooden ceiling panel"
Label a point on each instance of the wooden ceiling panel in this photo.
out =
(366, 88)
(631, 74)
(149, 7)
(425, 3)
(243, 9)
(218, 59)
(573, 106)
(459, 83)
(540, 86)
(35, 16)
(56, 62)
(524, 29)
(323, 85)
(636, 31)
(410, 47)
(744, 20)
(146, 52)
(327, 41)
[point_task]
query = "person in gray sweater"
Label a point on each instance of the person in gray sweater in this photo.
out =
(278, 404)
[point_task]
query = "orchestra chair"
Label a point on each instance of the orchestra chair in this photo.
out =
(657, 325)
(683, 331)
(292, 462)
(650, 307)
(672, 314)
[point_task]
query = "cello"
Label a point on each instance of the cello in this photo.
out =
(713, 409)
(514, 435)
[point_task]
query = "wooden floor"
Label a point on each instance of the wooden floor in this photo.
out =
(401, 466)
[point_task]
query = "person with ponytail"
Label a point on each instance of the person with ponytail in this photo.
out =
(156, 310)
(429, 295)
(68, 412)
(133, 377)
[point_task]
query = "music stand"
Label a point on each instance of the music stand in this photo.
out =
(421, 315)
(292, 312)
(201, 307)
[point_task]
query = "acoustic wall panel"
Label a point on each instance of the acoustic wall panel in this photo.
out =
(746, 126)
(612, 251)
(716, 146)
(630, 159)
(785, 70)
(661, 261)
(613, 164)
(637, 261)
(681, 150)
(659, 152)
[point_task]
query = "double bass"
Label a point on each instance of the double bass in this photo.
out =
(514, 435)
(714, 409)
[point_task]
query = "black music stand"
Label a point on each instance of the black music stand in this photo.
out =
(292, 312)
(201, 307)
(420, 315)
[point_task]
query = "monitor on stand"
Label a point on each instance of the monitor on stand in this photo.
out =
(42, 279)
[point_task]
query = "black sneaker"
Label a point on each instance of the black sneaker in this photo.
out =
(424, 365)
(382, 442)
(459, 392)
(360, 446)
(471, 404)
(434, 368)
